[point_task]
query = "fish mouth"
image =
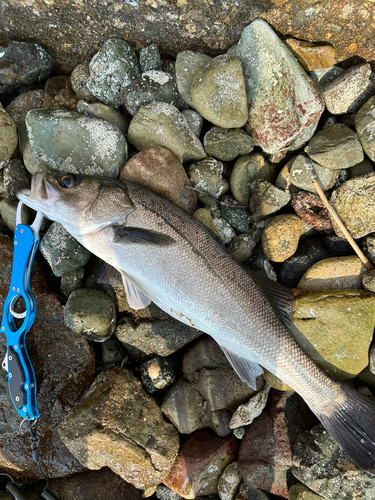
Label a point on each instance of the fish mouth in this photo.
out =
(38, 191)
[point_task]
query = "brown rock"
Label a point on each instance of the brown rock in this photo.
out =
(24, 103)
(281, 236)
(159, 170)
(8, 136)
(199, 464)
(59, 93)
(311, 55)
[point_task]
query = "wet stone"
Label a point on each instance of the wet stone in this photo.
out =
(70, 281)
(158, 373)
(335, 147)
(62, 252)
(58, 93)
(151, 86)
(229, 482)
(348, 91)
(312, 56)
(365, 127)
(91, 314)
(8, 136)
(187, 65)
(100, 110)
(300, 174)
(115, 65)
(227, 144)
(242, 246)
(280, 237)
(23, 62)
(161, 124)
(78, 79)
(15, 178)
(194, 119)
(24, 103)
(149, 58)
(266, 199)
(207, 176)
(301, 492)
(239, 218)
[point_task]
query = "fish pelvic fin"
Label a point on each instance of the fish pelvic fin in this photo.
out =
(246, 369)
(352, 425)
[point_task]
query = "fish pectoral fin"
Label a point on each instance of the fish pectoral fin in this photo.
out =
(136, 298)
(246, 369)
(126, 235)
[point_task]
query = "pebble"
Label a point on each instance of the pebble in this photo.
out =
(8, 210)
(99, 435)
(23, 62)
(335, 147)
(186, 66)
(8, 136)
(229, 482)
(365, 127)
(113, 67)
(349, 90)
(218, 92)
(58, 93)
(248, 493)
(301, 492)
(274, 381)
(67, 141)
(207, 176)
(362, 168)
(149, 58)
(161, 124)
(320, 316)
(241, 247)
(324, 75)
(71, 281)
(224, 229)
(78, 80)
(312, 56)
(247, 169)
(368, 246)
(165, 493)
(205, 217)
(15, 177)
(151, 86)
(280, 237)
(300, 174)
(194, 119)
(100, 110)
(227, 144)
(238, 217)
(25, 102)
(309, 207)
(159, 170)
(266, 199)
(271, 72)
(62, 252)
(158, 373)
(248, 412)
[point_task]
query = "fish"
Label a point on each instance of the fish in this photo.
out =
(166, 256)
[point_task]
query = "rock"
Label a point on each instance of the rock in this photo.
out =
(310, 208)
(90, 313)
(319, 316)
(335, 147)
(324, 75)
(204, 216)
(78, 80)
(260, 264)
(24, 103)
(68, 141)
(248, 412)
(284, 101)
(218, 92)
(200, 461)
(280, 237)
(8, 136)
(320, 464)
(161, 124)
(15, 177)
(238, 217)
(207, 176)
(194, 119)
(8, 210)
(301, 492)
(352, 203)
(58, 93)
(187, 65)
(368, 244)
(158, 373)
(209, 392)
(140, 450)
(300, 174)
(64, 369)
(229, 482)
(224, 229)
(227, 144)
(241, 247)
(275, 382)
(368, 281)
(149, 58)
(365, 127)
(164, 493)
(247, 169)
(266, 199)
(62, 252)
(362, 168)
(334, 273)
(71, 281)
(248, 493)
(350, 90)
(23, 62)
(100, 110)
(266, 451)
(159, 170)
(312, 56)
(115, 65)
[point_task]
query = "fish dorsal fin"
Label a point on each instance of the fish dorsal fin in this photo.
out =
(136, 298)
(281, 297)
(142, 236)
(247, 370)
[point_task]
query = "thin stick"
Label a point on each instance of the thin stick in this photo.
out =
(336, 218)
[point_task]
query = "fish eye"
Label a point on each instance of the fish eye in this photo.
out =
(69, 180)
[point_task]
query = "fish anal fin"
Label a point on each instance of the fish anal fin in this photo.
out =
(136, 298)
(107, 274)
(246, 369)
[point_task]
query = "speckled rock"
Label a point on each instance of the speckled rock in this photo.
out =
(8, 136)
(105, 429)
(207, 176)
(149, 58)
(158, 373)
(68, 141)
(319, 316)
(368, 281)
(324, 75)
(218, 92)
(115, 65)
(100, 110)
(301, 492)
(24, 103)
(161, 124)
(199, 464)
(15, 177)
(224, 229)
(365, 127)
(237, 216)
(284, 101)
(280, 237)
(229, 482)
(300, 174)
(159, 170)
(241, 247)
(248, 412)
(334, 273)
(78, 79)
(62, 252)
(312, 56)
(248, 493)
(353, 202)
(348, 91)
(90, 313)
(205, 217)
(70, 281)
(227, 144)
(58, 93)
(194, 119)
(187, 65)
(266, 199)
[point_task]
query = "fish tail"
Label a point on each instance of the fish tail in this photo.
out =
(351, 422)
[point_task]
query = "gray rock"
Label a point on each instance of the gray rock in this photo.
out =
(149, 58)
(248, 493)
(319, 463)
(238, 217)
(362, 168)
(365, 127)
(227, 144)
(115, 65)
(111, 353)
(15, 178)
(372, 359)
(70, 281)
(324, 75)
(229, 482)
(248, 412)
(90, 313)
(68, 141)
(78, 80)
(8, 136)
(187, 65)
(62, 252)
(194, 119)
(158, 373)
(369, 247)
(161, 124)
(242, 246)
(348, 91)
(300, 174)
(100, 110)
(224, 230)
(165, 493)
(368, 281)
(301, 492)
(207, 176)
(266, 199)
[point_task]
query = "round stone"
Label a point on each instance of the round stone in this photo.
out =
(227, 144)
(280, 237)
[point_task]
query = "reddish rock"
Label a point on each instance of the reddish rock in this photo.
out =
(59, 93)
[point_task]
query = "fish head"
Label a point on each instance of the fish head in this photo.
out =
(82, 204)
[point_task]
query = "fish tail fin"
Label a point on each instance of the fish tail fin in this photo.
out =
(352, 425)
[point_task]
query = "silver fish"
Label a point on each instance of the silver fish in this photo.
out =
(166, 256)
